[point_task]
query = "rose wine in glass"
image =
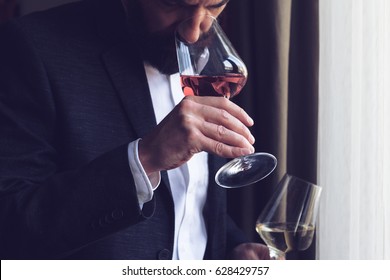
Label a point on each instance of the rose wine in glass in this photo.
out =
(227, 86)
(210, 66)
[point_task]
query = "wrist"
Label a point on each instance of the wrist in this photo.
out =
(146, 159)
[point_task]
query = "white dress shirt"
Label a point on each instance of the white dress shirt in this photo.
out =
(188, 182)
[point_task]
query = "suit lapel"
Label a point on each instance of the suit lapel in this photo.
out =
(125, 68)
(129, 79)
(123, 64)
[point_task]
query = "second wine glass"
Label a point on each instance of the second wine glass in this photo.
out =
(287, 222)
(210, 66)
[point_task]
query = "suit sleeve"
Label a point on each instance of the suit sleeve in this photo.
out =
(46, 212)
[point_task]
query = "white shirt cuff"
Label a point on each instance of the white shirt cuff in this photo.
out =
(143, 183)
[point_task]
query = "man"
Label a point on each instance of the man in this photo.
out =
(85, 171)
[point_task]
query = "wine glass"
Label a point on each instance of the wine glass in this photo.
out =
(210, 66)
(287, 222)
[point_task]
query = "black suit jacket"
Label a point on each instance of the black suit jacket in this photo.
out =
(73, 94)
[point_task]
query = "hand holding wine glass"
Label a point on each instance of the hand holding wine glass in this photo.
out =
(210, 66)
(191, 127)
(287, 222)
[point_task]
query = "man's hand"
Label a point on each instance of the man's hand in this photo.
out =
(250, 251)
(211, 124)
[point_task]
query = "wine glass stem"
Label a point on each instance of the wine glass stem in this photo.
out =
(276, 254)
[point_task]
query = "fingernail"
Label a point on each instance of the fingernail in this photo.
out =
(250, 121)
(252, 139)
(248, 151)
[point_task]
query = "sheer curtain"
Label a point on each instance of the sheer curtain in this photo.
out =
(354, 129)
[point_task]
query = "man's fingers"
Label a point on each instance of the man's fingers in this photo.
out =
(222, 134)
(224, 150)
(204, 108)
(223, 118)
(224, 104)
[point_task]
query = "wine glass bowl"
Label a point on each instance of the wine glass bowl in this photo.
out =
(208, 63)
(287, 222)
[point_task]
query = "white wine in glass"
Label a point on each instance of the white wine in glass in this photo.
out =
(287, 222)
(210, 66)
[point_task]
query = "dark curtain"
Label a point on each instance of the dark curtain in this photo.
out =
(279, 42)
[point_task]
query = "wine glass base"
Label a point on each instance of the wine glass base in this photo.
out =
(246, 170)
(276, 254)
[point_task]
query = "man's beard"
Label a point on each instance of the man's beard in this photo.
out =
(158, 49)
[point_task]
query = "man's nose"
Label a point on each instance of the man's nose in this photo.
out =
(191, 29)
